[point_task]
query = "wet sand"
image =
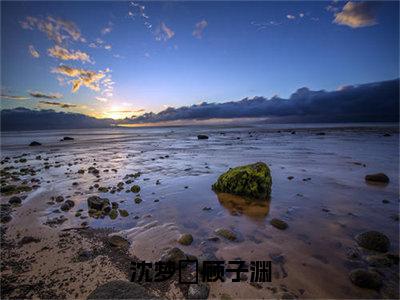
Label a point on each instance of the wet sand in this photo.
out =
(326, 204)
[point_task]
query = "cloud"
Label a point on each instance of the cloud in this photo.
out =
(367, 102)
(101, 99)
(45, 96)
(88, 78)
(65, 54)
(59, 104)
(139, 10)
(27, 119)
(107, 29)
(13, 97)
(199, 28)
(107, 47)
(357, 14)
(290, 17)
(163, 32)
(33, 52)
(57, 30)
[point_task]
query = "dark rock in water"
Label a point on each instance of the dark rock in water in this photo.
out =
(293, 132)
(97, 203)
(15, 200)
(385, 201)
(252, 181)
(366, 279)
(67, 205)
(378, 177)
(59, 199)
(119, 289)
(185, 239)
(226, 234)
(280, 224)
(379, 261)
(135, 189)
(34, 143)
(320, 133)
(373, 240)
(387, 134)
(290, 177)
(118, 241)
(67, 138)
(113, 214)
(198, 291)
(174, 255)
(202, 137)
(123, 212)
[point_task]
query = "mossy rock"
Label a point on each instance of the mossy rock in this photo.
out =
(113, 214)
(123, 213)
(280, 224)
(135, 189)
(138, 200)
(185, 239)
(226, 234)
(253, 181)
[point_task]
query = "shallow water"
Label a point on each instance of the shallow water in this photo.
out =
(314, 245)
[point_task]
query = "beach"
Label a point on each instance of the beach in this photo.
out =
(318, 188)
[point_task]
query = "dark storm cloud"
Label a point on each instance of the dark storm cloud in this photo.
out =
(367, 102)
(26, 119)
(59, 104)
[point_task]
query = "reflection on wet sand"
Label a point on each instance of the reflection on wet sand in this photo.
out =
(237, 205)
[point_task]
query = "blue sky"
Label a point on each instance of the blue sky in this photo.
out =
(127, 58)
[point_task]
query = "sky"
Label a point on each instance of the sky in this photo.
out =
(122, 59)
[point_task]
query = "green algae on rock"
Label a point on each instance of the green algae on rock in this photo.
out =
(252, 181)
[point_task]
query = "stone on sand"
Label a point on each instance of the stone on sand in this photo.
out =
(185, 239)
(119, 289)
(366, 279)
(280, 224)
(373, 240)
(378, 177)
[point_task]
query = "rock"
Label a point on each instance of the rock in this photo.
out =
(34, 143)
(280, 224)
(207, 208)
(97, 203)
(226, 234)
(365, 279)
(286, 295)
(114, 205)
(123, 213)
(67, 205)
(138, 200)
(103, 189)
(113, 214)
(173, 255)
(198, 291)
(135, 189)
(117, 241)
(378, 177)
(252, 180)
(15, 200)
(290, 177)
(385, 201)
(202, 137)
(320, 133)
(119, 289)
(185, 239)
(67, 138)
(59, 199)
(27, 240)
(379, 261)
(373, 240)
(387, 134)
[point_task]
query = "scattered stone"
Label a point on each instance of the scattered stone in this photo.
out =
(280, 224)
(185, 239)
(207, 208)
(366, 279)
(252, 180)
(385, 201)
(290, 177)
(97, 203)
(202, 137)
(34, 143)
(113, 214)
(118, 241)
(378, 177)
(15, 200)
(173, 255)
(387, 134)
(373, 240)
(59, 199)
(123, 213)
(67, 138)
(118, 289)
(138, 200)
(379, 261)
(226, 234)
(67, 205)
(198, 291)
(320, 133)
(135, 189)
(5, 213)
(103, 189)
